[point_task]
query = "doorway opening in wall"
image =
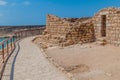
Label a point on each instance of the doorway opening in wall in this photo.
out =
(103, 25)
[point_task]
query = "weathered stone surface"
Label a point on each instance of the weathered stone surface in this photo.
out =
(68, 31)
(112, 24)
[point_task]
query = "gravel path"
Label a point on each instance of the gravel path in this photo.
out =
(32, 65)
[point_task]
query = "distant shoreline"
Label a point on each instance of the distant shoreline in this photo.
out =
(5, 36)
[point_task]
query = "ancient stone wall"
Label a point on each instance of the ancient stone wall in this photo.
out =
(66, 31)
(56, 26)
(97, 19)
(112, 24)
(113, 30)
(69, 31)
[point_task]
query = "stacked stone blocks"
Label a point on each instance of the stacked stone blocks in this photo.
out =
(67, 31)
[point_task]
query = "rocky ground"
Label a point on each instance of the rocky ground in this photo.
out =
(88, 61)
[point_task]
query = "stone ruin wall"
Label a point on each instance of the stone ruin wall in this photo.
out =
(112, 25)
(69, 31)
(56, 26)
(55, 29)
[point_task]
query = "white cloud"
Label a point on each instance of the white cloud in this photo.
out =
(26, 3)
(2, 2)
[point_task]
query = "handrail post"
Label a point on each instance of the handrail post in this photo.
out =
(15, 36)
(3, 52)
(39, 31)
(18, 35)
(7, 48)
(14, 41)
(32, 33)
(21, 34)
(26, 34)
(11, 43)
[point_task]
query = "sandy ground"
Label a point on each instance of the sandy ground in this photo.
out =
(32, 65)
(93, 61)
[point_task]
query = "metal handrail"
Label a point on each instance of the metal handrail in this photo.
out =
(8, 45)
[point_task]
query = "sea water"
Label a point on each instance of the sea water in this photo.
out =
(1, 39)
(5, 44)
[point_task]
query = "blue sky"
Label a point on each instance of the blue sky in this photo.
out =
(33, 12)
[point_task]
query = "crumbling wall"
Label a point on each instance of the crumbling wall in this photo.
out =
(64, 31)
(56, 25)
(67, 31)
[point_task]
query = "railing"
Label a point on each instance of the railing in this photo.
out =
(8, 45)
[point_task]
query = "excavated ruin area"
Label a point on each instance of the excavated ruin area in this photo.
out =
(88, 61)
(84, 48)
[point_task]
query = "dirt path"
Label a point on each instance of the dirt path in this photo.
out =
(30, 64)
